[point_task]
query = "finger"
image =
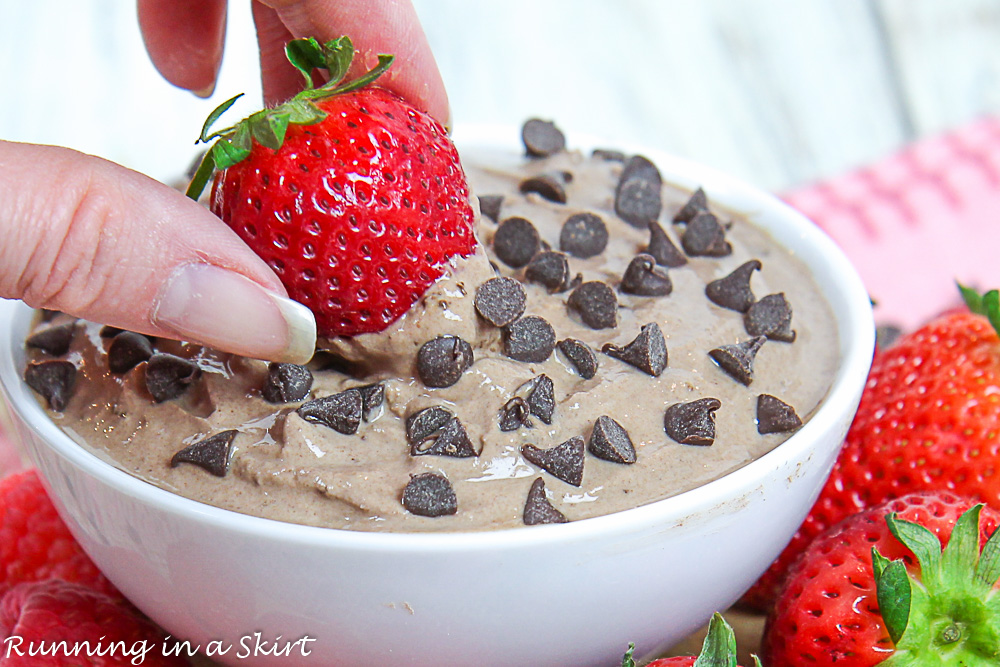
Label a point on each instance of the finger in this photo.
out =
(279, 80)
(388, 26)
(184, 39)
(95, 240)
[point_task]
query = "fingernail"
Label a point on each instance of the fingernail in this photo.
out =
(222, 309)
(205, 92)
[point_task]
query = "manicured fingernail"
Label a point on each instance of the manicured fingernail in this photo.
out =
(222, 309)
(205, 92)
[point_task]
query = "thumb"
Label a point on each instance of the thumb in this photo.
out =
(98, 241)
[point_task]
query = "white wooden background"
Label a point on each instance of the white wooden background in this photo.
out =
(780, 92)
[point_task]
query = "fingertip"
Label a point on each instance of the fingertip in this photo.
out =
(185, 39)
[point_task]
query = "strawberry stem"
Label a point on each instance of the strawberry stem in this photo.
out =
(983, 304)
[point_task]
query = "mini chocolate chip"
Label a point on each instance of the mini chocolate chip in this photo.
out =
(648, 352)
(596, 304)
(610, 441)
(451, 440)
(643, 278)
(542, 398)
(514, 415)
(771, 317)
(639, 167)
(608, 155)
(663, 249)
(341, 411)
(515, 242)
(372, 398)
(563, 461)
(692, 423)
(108, 331)
(637, 202)
(429, 494)
(538, 509)
(549, 268)
(737, 360)
(286, 383)
(169, 376)
(426, 423)
(698, 203)
(775, 416)
(54, 380)
(489, 205)
(733, 291)
(442, 360)
(705, 237)
(583, 235)
(54, 340)
(127, 350)
(548, 186)
(530, 339)
(542, 138)
(210, 454)
(500, 301)
(583, 358)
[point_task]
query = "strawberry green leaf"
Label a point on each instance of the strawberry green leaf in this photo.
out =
(303, 112)
(879, 563)
(627, 660)
(201, 176)
(719, 649)
(988, 570)
(962, 553)
(756, 660)
(268, 127)
(892, 589)
(305, 54)
(972, 299)
(205, 137)
(986, 304)
(227, 152)
(924, 545)
(337, 55)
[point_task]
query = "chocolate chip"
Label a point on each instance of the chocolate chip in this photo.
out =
(500, 301)
(549, 268)
(372, 398)
(514, 415)
(608, 155)
(596, 304)
(547, 186)
(733, 291)
(530, 339)
(542, 138)
(127, 350)
(286, 383)
(54, 380)
(698, 203)
(610, 441)
(429, 494)
(643, 278)
(108, 331)
(515, 242)
(771, 317)
(737, 360)
(648, 352)
(54, 340)
(169, 376)
(428, 422)
(48, 314)
(542, 398)
(538, 509)
(705, 237)
(583, 235)
(341, 411)
(663, 249)
(637, 195)
(442, 360)
(451, 440)
(639, 167)
(583, 358)
(692, 423)
(775, 416)
(886, 335)
(210, 454)
(563, 461)
(489, 205)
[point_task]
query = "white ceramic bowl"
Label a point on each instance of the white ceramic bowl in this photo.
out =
(557, 595)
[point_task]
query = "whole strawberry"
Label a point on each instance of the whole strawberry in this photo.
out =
(929, 419)
(56, 623)
(35, 544)
(718, 650)
(356, 199)
(877, 589)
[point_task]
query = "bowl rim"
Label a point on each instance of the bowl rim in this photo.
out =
(855, 329)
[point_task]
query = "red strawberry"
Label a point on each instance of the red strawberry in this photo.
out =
(55, 623)
(719, 650)
(848, 600)
(356, 199)
(929, 419)
(35, 543)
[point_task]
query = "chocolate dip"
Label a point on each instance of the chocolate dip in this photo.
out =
(283, 467)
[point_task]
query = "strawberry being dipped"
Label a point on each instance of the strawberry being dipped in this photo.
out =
(356, 199)
(877, 589)
(929, 419)
(718, 650)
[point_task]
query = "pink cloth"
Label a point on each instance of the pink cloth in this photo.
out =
(917, 221)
